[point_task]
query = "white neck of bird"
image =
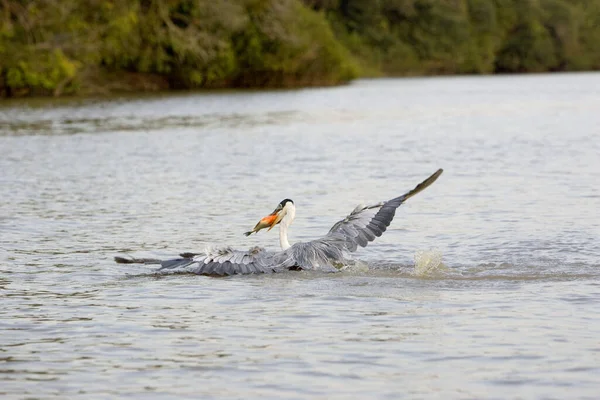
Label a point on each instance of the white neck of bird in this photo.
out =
(286, 221)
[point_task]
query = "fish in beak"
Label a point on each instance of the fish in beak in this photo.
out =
(269, 221)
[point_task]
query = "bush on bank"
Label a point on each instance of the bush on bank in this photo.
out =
(55, 47)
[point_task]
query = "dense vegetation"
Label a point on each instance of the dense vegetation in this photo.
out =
(68, 46)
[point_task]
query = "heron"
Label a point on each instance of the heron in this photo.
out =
(328, 253)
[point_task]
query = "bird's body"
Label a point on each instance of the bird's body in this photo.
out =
(359, 228)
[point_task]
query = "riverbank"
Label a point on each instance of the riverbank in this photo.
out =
(51, 48)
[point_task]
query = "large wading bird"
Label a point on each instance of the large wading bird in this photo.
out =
(328, 253)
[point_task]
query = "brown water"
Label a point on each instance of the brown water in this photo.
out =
(513, 311)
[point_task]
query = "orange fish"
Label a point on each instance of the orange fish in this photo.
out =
(267, 222)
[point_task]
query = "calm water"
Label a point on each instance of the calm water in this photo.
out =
(513, 311)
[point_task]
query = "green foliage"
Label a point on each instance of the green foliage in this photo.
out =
(529, 46)
(49, 72)
(587, 17)
(286, 44)
(470, 36)
(64, 46)
(483, 25)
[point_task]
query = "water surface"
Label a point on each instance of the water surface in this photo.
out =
(512, 312)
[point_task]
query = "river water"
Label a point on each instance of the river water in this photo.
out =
(486, 285)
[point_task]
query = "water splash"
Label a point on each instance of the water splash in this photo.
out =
(355, 266)
(428, 262)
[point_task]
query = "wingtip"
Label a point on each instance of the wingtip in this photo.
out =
(434, 176)
(123, 260)
(132, 260)
(425, 184)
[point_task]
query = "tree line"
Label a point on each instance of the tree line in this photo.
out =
(56, 47)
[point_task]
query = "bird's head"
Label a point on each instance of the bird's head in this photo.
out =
(285, 207)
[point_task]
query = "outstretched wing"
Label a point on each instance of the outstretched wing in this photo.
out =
(366, 223)
(216, 262)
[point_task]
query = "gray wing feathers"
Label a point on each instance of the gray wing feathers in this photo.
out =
(365, 223)
(221, 262)
(176, 263)
(318, 254)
